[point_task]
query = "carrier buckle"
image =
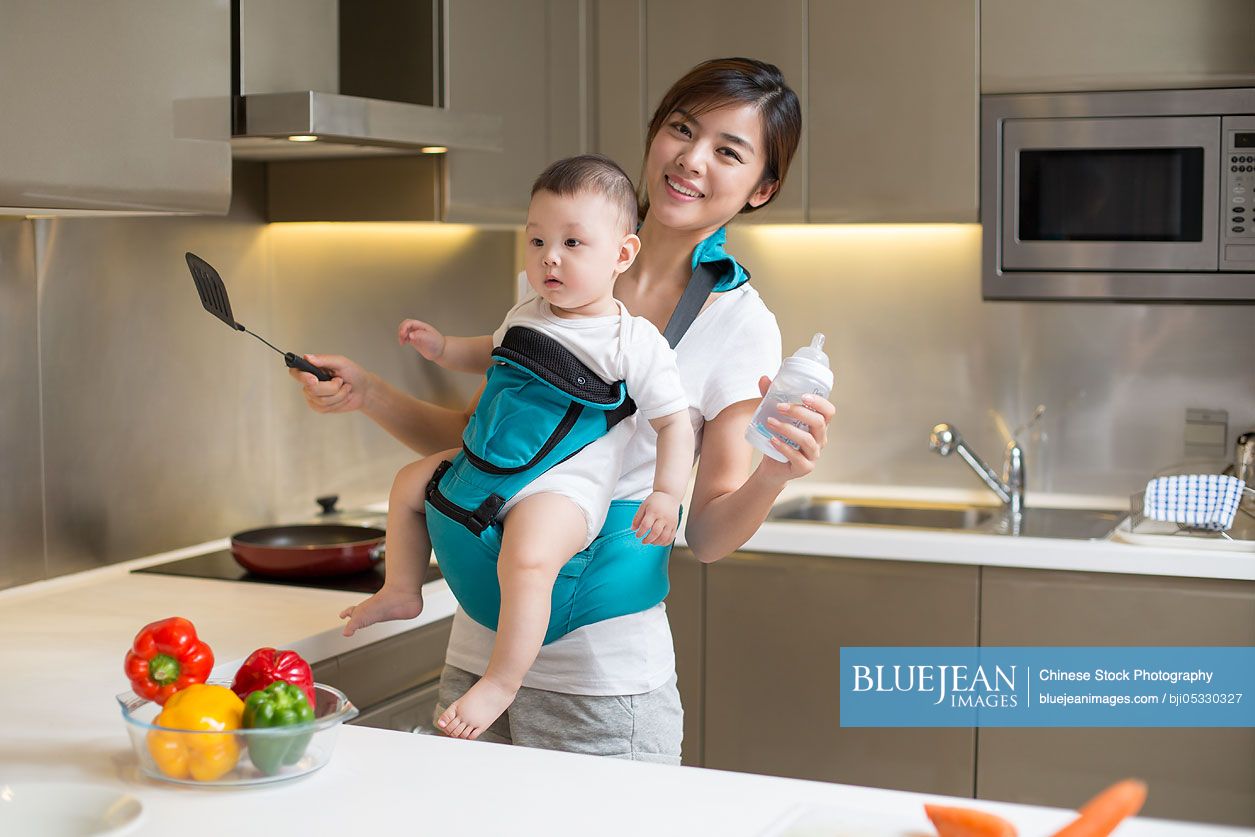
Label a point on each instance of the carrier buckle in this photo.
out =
(482, 517)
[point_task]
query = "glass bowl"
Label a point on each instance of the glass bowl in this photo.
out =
(248, 756)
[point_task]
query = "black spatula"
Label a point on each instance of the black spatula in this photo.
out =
(213, 295)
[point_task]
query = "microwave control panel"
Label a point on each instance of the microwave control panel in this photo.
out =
(1237, 221)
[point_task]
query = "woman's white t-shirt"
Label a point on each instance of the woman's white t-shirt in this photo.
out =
(732, 342)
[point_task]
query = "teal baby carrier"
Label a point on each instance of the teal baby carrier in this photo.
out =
(540, 406)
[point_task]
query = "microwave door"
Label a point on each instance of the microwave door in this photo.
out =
(1110, 195)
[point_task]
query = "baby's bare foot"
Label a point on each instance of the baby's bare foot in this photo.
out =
(385, 605)
(475, 711)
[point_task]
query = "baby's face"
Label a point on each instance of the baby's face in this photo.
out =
(574, 245)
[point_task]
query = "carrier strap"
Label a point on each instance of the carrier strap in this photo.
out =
(475, 521)
(700, 286)
(553, 363)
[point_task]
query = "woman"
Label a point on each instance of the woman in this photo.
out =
(719, 144)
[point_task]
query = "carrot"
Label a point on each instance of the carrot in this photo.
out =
(965, 822)
(1100, 816)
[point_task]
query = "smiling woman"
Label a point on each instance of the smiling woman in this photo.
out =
(719, 145)
(734, 112)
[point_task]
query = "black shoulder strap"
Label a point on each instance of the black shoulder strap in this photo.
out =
(691, 301)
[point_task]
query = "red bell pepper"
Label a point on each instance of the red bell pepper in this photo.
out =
(165, 657)
(266, 665)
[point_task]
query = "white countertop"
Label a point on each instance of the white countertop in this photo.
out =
(64, 641)
(904, 544)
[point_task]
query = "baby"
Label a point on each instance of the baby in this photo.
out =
(580, 237)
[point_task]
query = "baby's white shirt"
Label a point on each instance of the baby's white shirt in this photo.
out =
(616, 347)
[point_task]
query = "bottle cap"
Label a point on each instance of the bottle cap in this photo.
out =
(814, 352)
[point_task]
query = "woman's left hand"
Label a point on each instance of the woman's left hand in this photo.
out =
(815, 412)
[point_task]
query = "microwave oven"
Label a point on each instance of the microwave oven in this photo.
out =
(1127, 196)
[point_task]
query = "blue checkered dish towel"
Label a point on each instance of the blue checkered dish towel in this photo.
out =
(1204, 501)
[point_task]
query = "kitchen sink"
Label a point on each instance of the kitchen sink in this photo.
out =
(872, 513)
(1073, 524)
(1069, 524)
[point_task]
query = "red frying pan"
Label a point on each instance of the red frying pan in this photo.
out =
(314, 550)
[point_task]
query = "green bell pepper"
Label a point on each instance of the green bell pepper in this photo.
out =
(278, 705)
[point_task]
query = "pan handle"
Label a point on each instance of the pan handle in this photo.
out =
(377, 551)
(298, 362)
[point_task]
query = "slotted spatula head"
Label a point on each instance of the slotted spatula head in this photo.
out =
(213, 294)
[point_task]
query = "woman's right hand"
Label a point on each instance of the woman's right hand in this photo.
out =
(344, 393)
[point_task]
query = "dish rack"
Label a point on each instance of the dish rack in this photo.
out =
(1241, 535)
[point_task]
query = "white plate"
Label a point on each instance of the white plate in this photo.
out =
(53, 809)
(1158, 533)
(831, 821)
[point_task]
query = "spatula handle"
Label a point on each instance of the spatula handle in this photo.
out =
(298, 362)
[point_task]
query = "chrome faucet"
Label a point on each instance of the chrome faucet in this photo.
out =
(945, 439)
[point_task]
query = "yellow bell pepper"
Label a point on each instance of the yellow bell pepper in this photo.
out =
(201, 756)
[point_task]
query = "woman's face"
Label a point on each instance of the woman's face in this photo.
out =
(701, 170)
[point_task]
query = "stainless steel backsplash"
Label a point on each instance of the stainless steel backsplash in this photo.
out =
(21, 471)
(162, 428)
(133, 422)
(912, 345)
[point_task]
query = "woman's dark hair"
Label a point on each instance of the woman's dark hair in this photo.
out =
(593, 173)
(720, 82)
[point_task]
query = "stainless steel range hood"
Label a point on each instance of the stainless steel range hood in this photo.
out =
(347, 78)
(352, 126)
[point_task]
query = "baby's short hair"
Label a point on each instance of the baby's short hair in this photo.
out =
(592, 173)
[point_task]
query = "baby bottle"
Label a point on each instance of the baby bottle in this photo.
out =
(807, 371)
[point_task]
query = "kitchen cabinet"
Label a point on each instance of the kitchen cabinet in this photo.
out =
(889, 111)
(775, 625)
(409, 711)
(893, 111)
(622, 113)
(1200, 775)
(686, 612)
(1032, 47)
(116, 107)
(393, 681)
(531, 64)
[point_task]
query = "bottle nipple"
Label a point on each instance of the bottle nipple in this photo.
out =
(815, 351)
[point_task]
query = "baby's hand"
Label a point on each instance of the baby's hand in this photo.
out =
(423, 337)
(658, 516)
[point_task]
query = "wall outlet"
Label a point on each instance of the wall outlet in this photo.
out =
(1206, 432)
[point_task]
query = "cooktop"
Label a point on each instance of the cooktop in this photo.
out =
(222, 565)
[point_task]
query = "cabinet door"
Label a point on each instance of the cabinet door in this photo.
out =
(1027, 46)
(621, 108)
(1194, 774)
(116, 106)
(686, 612)
(893, 111)
(682, 33)
(383, 670)
(530, 63)
(775, 625)
(410, 711)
